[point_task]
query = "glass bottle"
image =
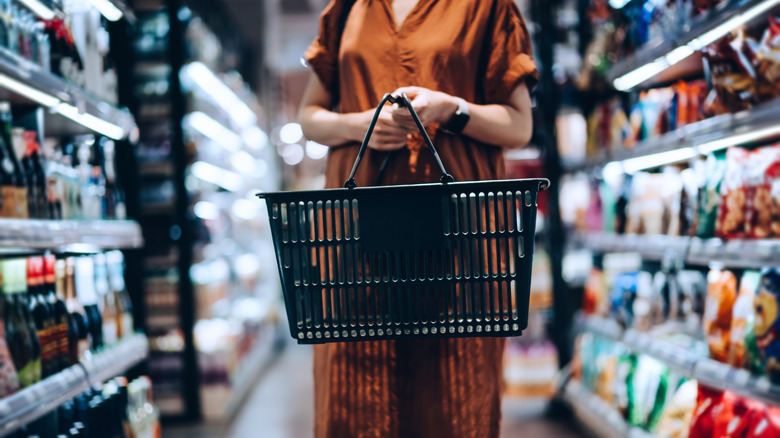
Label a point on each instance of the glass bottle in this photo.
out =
(41, 313)
(9, 379)
(55, 184)
(17, 331)
(14, 152)
(36, 177)
(7, 173)
(107, 301)
(20, 272)
(77, 313)
(115, 196)
(116, 269)
(85, 290)
(55, 287)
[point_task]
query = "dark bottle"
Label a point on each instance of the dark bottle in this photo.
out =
(15, 150)
(16, 329)
(42, 315)
(9, 379)
(36, 177)
(55, 289)
(7, 175)
(116, 270)
(21, 291)
(85, 290)
(115, 196)
(79, 344)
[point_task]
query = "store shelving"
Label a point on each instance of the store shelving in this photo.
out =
(735, 253)
(43, 397)
(25, 82)
(692, 365)
(596, 415)
(756, 124)
(664, 59)
(77, 235)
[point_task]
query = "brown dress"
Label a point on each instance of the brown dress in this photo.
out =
(475, 49)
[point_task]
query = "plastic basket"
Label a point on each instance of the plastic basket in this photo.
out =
(427, 260)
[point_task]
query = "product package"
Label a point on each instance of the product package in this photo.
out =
(650, 384)
(762, 216)
(742, 318)
(765, 423)
(767, 322)
(731, 214)
(768, 62)
(731, 73)
(721, 295)
(709, 194)
(693, 296)
(648, 306)
(675, 421)
(733, 416)
(703, 420)
(622, 298)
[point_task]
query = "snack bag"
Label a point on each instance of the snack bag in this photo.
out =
(731, 214)
(622, 298)
(765, 423)
(762, 218)
(709, 194)
(593, 297)
(768, 61)
(742, 318)
(703, 420)
(732, 75)
(732, 417)
(721, 295)
(675, 421)
(693, 296)
(650, 385)
(767, 322)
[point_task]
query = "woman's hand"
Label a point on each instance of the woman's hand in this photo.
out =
(430, 106)
(388, 134)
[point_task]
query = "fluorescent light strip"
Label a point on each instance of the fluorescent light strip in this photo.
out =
(107, 9)
(216, 175)
(214, 130)
(196, 73)
(649, 70)
(27, 91)
(738, 139)
(91, 122)
(39, 9)
(633, 165)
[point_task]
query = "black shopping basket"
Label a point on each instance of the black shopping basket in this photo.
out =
(449, 259)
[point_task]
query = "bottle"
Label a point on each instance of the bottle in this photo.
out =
(79, 324)
(55, 288)
(85, 290)
(9, 379)
(97, 181)
(42, 315)
(107, 300)
(115, 260)
(7, 173)
(18, 334)
(115, 196)
(20, 271)
(20, 198)
(91, 197)
(36, 177)
(55, 183)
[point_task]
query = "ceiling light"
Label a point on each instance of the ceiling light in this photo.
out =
(214, 130)
(196, 75)
(216, 175)
(39, 9)
(91, 122)
(291, 133)
(206, 210)
(107, 9)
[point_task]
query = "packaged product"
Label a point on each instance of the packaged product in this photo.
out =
(742, 318)
(733, 416)
(686, 212)
(731, 73)
(650, 383)
(762, 216)
(635, 121)
(624, 389)
(693, 295)
(605, 381)
(765, 423)
(622, 298)
(731, 213)
(671, 192)
(647, 308)
(709, 194)
(767, 322)
(609, 205)
(703, 420)
(721, 295)
(594, 293)
(594, 215)
(621, 206)
(619, 128)
(675, 421)
(768, 60)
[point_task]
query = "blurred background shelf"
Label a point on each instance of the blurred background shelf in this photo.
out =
(70, 235)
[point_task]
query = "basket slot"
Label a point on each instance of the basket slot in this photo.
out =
(517, 211)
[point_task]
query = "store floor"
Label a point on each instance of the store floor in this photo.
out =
(280, 407)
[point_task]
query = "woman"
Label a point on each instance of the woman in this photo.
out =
(467, 67)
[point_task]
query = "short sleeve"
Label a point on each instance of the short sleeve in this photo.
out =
(510, 61)
(323, 53)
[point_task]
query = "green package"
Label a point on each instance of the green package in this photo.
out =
(709, 194)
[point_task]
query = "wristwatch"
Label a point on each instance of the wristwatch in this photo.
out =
(458, 120)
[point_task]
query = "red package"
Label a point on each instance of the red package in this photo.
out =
(733, 416)
(703, 422)
(762, 215)
(731, 213)
(765, 423)
(733, 76)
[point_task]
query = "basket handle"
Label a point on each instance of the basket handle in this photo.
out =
(402, 100)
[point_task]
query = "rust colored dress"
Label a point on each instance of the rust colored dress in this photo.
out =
(475, 49)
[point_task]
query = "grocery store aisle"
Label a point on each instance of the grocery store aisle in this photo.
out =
(281, 407)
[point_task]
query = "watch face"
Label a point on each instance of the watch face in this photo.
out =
(457, 122)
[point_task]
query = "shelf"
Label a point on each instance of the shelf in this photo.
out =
(740, 254)
(596, 415)
(37, 400)
(756, 124)
(27, 83)
(690, 364)
(75, 235)
(668, 58)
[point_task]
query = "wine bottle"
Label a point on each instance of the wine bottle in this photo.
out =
(55, 289)
(78, 315)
